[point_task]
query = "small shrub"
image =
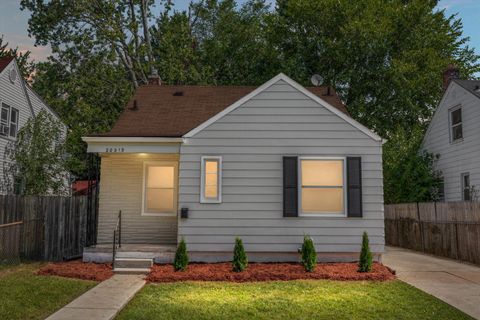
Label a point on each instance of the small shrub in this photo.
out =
(240, 261)
(180, 262)
(309, 255)
(365, 263)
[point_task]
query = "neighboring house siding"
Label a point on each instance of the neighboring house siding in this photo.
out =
(252, 140)
(457, 157)
(13, 95)
(121, 189)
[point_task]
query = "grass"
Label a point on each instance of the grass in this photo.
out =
(25, 295)
(287, 300)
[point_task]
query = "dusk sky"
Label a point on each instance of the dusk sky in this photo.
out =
(14, 23)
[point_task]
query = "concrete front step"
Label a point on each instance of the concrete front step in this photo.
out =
(131, 270)
(121, 262)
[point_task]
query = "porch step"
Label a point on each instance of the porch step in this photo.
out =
(131, 270)
(135, 263)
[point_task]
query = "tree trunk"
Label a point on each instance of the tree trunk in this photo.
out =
(146, 32)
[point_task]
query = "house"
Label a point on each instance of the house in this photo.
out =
(454, 135)
(269, 164)
(18, 103)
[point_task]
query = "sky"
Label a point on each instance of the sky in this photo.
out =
(14, 23)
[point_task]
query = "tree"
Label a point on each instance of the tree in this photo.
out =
(180, 262)
(34, 163)
(385, 58)
(88, 91)
(240, 260)
(25, 64)
(365, 261)
(409, 174)
(309, 254)
(111, 25)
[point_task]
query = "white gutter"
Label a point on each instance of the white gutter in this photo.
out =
(131, 139)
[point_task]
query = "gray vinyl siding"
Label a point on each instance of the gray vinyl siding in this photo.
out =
(252, 140)
(460, 156)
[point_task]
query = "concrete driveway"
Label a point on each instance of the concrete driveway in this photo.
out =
(456, 283)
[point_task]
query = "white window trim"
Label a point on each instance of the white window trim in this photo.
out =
(322, 214)
(175, 188)
(202, 179)
(450, 124)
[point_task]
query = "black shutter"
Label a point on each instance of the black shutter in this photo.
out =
(290, 187)
(354, 186)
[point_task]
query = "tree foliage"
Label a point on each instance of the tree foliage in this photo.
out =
(366, 260)
(240, 260)
(24, 62)
(309, 254)
(35, 162)
(180, 263)
(409, 175)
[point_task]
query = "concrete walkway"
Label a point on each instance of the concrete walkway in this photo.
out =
(456, 283)
(103, 301)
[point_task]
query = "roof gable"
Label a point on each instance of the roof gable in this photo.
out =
(315, 97)
(5, 61)
(174, 111)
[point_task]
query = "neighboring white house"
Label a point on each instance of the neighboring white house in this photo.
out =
(18, 103)
(268, 164)
(454, 135)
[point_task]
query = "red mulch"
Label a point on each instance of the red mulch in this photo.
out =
(267, 272)
(78, 269)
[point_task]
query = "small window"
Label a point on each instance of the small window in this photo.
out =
(211, 180)
(456, 124)
(322, 184)
(4, 120)
(13, 122)
(466, 194)
(159, 196)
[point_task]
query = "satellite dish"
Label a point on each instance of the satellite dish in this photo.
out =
(316, 80)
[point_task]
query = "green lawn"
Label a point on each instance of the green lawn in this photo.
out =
(287, 300)
(24, 295)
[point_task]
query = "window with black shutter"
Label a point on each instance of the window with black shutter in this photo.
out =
(354, 187)
(290, 186)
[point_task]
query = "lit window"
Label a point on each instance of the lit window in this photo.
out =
(211, 180)
(456, 124)
(160, 189)
(322, 186)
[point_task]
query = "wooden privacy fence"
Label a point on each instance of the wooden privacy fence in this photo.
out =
(10, 242)
(448, 229)
(53, 228)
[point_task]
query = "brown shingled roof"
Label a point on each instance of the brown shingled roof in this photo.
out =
(172, 111)
(4, 62)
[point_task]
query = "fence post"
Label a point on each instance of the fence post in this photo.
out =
(420, 224)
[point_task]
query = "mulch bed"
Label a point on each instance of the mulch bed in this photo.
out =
(78, 269)
(267, 272)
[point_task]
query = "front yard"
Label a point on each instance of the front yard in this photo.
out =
(25, 295)
(302, 299)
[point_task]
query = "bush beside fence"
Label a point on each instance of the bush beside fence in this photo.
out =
(52, 228)
(448, 229)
